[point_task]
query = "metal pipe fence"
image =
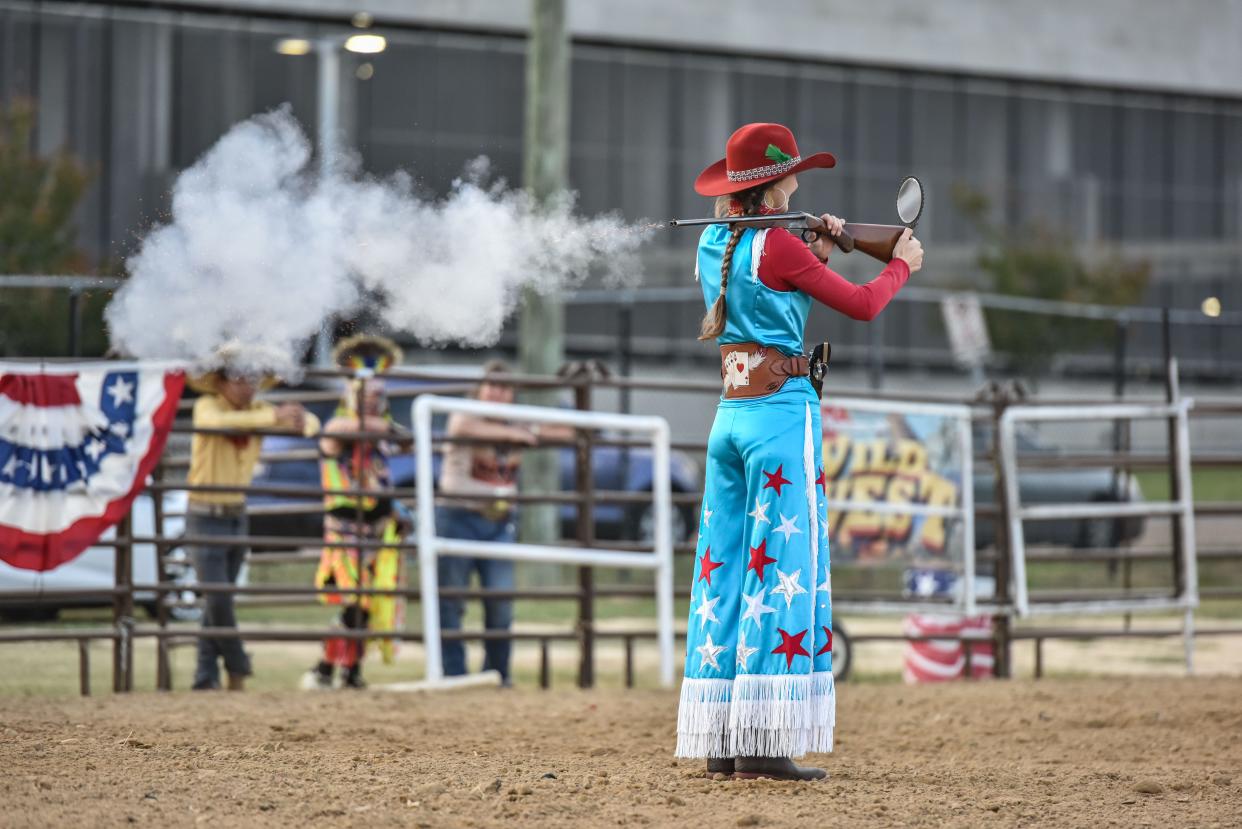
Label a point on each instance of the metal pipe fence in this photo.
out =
(585, 629)
(655, 322)
(1111, 341)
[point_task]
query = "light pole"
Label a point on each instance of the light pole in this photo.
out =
(327, 51)
(541, 324)
(328, 101)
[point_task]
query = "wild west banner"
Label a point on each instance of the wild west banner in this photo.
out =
(900, 457)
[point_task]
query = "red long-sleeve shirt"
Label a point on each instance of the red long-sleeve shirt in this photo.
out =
(788, 265)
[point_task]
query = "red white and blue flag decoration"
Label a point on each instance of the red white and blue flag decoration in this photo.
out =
(940, 660)
(77, 442)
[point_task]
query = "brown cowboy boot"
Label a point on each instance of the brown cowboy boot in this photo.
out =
(237, 682)
(777, 768)
(720, 765)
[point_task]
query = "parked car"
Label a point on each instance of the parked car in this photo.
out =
(615, 468)
(1069, 485)
(95, 569)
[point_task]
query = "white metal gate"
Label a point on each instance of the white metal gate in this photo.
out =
(431, 545)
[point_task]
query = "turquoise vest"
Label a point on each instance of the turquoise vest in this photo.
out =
(756, 313)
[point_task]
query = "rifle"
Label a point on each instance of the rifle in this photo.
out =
(877, 241)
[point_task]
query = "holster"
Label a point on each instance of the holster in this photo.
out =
(753, 370)
(820, 355)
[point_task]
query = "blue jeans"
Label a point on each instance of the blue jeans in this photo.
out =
(457, 522)
(218, 563)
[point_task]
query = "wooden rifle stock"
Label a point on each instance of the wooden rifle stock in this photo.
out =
(877, 241)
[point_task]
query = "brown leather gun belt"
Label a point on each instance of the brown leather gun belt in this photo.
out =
(753, 370)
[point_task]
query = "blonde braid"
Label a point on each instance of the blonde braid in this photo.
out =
(713, 324)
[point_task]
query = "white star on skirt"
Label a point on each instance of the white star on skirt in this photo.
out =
(743, 652)
(706, 612)
(760, 512)
(709, 650)
(788, 527)
(755, 608)
(789, 586)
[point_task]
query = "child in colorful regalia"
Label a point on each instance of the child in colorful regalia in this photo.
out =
(352, 464)
(758, 687)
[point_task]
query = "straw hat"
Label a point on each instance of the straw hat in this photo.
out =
(369, 352)
(235, 358)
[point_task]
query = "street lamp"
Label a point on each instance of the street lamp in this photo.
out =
(366, 44)
(1210, 307)
(328, 51)
(293, 46)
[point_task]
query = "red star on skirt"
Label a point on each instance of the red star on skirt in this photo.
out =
(706, 566)
(819, 482)
(828, 647)
(759, 558)
(776, 479)
(791, 646)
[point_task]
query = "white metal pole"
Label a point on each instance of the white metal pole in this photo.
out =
(1017, 540)
(1190, 556)
(661, 492)
(968, 512)
(428, 578)
(329, 104)
(328, 114)
(1188, 640)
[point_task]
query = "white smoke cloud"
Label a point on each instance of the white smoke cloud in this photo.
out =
(263, 251)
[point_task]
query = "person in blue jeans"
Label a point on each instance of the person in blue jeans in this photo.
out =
(219, 564)
(497, 574)
(488, 473)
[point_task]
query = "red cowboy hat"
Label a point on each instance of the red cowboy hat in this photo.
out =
(757, 153)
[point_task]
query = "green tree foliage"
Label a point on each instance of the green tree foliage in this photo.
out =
(1040, 261)
(38, 197)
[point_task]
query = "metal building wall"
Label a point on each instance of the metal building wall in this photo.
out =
(140, 93)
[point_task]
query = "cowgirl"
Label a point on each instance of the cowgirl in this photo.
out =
(758, 686)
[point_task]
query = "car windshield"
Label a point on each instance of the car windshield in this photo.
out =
(1024, 436)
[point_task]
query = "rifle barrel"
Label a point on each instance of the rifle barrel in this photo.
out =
(743, 220)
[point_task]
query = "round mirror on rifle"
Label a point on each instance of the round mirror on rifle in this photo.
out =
(910, 201)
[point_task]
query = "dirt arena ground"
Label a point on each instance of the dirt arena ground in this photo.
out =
(1118, 752)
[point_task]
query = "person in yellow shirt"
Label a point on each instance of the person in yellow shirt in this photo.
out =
(227, 460)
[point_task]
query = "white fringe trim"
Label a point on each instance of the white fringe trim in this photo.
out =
(756, 715)
(703, 718)
(824, 701)
(810, 462)
(756, 252)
